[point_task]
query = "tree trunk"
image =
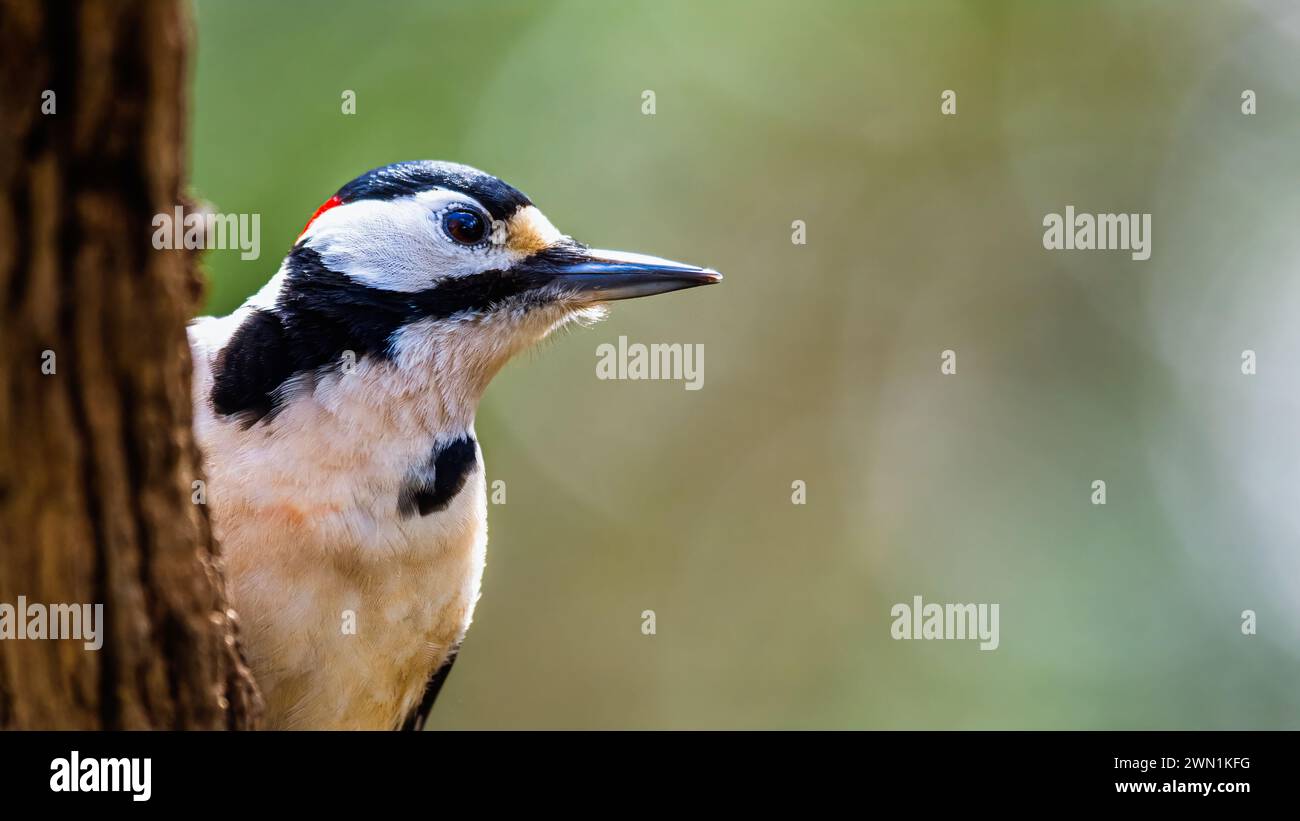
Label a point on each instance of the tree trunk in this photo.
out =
(97, 458)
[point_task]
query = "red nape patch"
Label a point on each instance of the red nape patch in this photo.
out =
(327, 205)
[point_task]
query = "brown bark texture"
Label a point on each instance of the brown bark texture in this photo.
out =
(97, 457)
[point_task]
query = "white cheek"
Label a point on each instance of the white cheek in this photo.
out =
(396, 244)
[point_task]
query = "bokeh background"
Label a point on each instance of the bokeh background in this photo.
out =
(822, 361)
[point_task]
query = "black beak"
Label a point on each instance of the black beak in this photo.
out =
(604, 276)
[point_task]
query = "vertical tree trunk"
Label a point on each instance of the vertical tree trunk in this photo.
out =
(97, 458)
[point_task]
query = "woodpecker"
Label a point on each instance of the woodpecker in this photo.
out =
(335, 411)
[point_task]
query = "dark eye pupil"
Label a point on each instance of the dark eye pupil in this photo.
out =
(465, 227)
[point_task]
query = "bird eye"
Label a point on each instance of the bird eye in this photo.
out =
(466, 227)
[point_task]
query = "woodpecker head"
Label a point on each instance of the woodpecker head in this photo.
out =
(428, 261)
(415, 227)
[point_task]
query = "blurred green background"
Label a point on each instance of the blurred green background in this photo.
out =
(822, 361)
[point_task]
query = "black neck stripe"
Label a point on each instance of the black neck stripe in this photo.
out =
(321, 313)
(432, 485)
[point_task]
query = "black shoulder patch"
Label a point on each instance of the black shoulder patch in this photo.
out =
(251, 366)
(406, 178)
(318, 315)
(432, 486)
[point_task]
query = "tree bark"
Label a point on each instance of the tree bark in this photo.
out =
(97, 459)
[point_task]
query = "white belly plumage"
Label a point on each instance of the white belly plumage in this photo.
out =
(348, 600)
(338, 637)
